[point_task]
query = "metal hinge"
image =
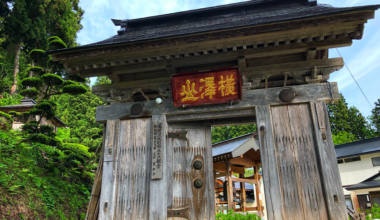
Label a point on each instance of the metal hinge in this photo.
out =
(178, 135)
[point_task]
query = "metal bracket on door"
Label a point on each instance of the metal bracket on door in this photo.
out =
(178, 135)
(179, 213)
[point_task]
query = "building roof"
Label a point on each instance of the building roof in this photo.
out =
(26, 105)
(237, 184)
(372, 182)
(229, 147)
(358, 148)
(238, 15)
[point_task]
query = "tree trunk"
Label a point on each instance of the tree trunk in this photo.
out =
(16, 70)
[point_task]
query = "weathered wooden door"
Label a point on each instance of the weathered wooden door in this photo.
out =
(301, 176)
(126, 172)
(190, 180)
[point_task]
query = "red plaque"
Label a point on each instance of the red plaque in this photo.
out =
(213, 87)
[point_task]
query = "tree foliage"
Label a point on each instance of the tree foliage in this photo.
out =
(375, 118)
(227, 132)
(78, 112)
(347, 123)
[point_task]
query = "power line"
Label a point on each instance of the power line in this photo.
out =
(355, 80)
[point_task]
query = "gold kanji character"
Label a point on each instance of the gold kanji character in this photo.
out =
(189, 93)
(229, 87)
(210, 89)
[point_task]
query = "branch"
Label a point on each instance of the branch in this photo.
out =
(43, 155)
(86, 169)
(94, 154)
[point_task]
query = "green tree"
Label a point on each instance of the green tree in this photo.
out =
(100, 80)
(27, 25)
(347, 123)
(227, 132)
(375, 118)
(78, 112)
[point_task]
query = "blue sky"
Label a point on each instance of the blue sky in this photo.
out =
(363, 57)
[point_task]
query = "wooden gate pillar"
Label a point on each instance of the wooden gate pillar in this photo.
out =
(300, 171)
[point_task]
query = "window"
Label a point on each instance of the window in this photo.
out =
(340, 161)
(376, 161)
(353, 159)
(348, 201)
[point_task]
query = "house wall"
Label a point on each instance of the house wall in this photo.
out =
(358, 171)
(355, 172)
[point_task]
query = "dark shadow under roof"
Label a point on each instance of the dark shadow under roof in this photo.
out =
(366, 184)
(273, 11)
(358, 148)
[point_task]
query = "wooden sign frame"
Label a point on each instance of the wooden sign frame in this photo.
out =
(193, 86)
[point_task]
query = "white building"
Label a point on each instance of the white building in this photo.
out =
(359, 167)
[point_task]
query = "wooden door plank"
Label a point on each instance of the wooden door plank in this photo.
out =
(158, 196)
(210, 195)
(311, 187)
(329, 171)
(273, 194)
(107, 197)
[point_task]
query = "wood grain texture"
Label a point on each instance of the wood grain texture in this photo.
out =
(108, 189)
(273, 190)
(158, 193)
(132, 200)
(201, 201)
(329, 171)
(230, 190)
(296, 156)
(251, 98)
(93, 206)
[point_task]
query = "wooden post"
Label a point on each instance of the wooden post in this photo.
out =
(355, 201)
(230, 192)
(243, 197)
(215, 184)
(274, 201)
(258, 192)
(108, 189)
(329, 172)
(158, 188)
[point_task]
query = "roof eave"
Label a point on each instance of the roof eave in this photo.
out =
(73, 49)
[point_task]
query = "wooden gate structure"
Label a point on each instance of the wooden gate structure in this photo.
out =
(176, 75)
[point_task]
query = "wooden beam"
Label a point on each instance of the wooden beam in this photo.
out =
(230, 191)
(122, 69)
(293, 66)
(132, 84)
(242, 161)
(243, 196)
(258, 190)
(244, 180)
(211, 115)
(215, 57)
(304, 93)
(310, 54)
(221, 167)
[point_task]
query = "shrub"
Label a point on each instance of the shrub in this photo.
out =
(39, 56)
(373, 213)
(36, 69)
(57, 44)
(68, 82)
(74, 89)
(7, 117)
(32, 82)
(232, 216)
(29, 92)
(77, 148)
(77, 78)
(52, 79)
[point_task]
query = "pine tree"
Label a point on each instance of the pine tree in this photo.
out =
(339, 116)
(375, 118)
(28, 24)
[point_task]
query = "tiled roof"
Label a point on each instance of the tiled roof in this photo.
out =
(371, 182)
(281, 13)
(358, 148)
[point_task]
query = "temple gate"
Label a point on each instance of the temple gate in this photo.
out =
(176, 75)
